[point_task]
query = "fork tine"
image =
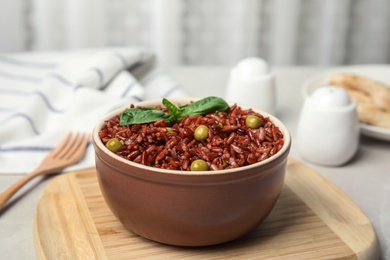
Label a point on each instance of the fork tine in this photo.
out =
(72, 146)
(65, 146)
(78, 147)
(68, 148)
(60, 146)
(77, 155)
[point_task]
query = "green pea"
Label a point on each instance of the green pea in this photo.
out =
(225, 164)
(199, 165)
(169, 130)
(253, 121)
(201, 133)
(114, 145)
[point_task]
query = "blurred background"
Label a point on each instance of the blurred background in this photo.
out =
(206, 32)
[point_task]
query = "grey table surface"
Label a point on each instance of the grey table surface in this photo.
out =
(365, 179)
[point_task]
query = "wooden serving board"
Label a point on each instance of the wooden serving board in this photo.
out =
(311, 220)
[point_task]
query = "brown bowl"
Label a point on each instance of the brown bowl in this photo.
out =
(189, 208)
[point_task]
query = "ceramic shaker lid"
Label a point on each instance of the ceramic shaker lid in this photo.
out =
(252, 83)
(251, 67)
(330, 97)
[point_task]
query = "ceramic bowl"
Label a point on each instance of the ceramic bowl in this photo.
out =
(189, 208)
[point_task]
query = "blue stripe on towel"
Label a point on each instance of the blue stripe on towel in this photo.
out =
(66, 81)
(26, 149)
(79, 86)
(24, 116)
(30, 148)
(36, 92)
(20, 77)
(29, 64)
(101, 76)
(129, 87)
(136, 98)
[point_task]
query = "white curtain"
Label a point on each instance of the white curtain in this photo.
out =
(206, 32)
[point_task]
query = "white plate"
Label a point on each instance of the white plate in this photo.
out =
(376, 72)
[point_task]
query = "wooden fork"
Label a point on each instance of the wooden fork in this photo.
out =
(68, 152)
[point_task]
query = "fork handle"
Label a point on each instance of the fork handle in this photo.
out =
(10, 191)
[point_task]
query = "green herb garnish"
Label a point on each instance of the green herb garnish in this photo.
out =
(204, 106)
(133, 116)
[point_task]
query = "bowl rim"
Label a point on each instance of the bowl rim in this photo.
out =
(99, 144)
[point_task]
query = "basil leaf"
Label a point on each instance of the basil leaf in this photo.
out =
(203, 106)
(131, 116)
(173, 111)
(172, 108)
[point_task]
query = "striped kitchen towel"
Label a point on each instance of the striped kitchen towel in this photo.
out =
(43, 95)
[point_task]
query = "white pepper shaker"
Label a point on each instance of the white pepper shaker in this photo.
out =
(328, 128)
(252, 83)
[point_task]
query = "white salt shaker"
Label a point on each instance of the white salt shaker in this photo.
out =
(252, 83)
(328, 128)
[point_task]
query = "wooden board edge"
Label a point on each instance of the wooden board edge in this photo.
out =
(78, 221)
(347, 220)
